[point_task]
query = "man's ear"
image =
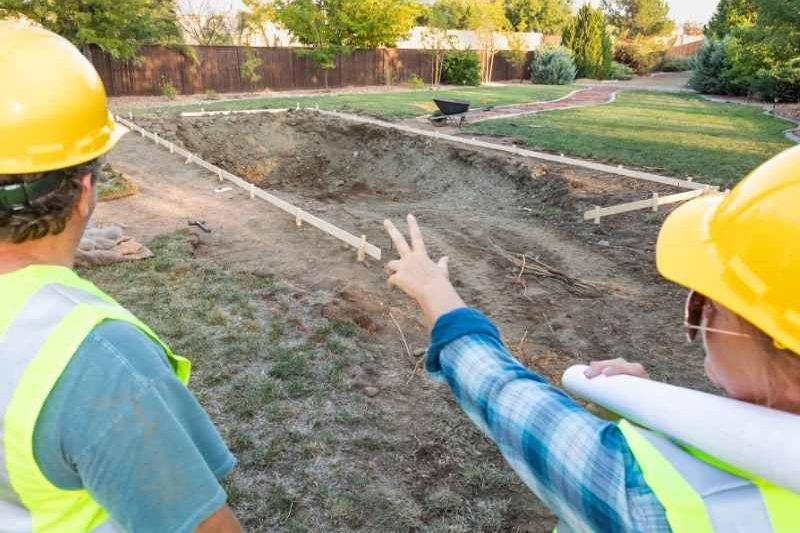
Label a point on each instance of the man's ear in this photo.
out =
(86, 202)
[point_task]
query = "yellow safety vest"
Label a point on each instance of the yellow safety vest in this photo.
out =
(703, 495)
(46, 312)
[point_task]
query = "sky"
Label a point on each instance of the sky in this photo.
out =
(680, 10)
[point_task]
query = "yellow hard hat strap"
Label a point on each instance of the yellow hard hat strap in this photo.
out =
(18, 196)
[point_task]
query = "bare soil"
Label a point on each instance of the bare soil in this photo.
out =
(473, 206)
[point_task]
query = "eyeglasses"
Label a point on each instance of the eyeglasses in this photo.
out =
(693, 317)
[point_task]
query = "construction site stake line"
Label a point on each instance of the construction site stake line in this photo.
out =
(618, 170)
(656, 200)
(361, 245)
(600, 167)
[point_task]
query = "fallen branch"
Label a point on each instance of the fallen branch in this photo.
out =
(542, 271)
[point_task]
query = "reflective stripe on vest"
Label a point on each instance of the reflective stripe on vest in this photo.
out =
(700, 497)
(37, 340)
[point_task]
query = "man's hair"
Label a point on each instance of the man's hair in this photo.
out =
(49, 214)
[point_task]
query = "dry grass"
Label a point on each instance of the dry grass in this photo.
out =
(285, 386)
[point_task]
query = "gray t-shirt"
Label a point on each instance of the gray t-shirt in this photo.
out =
(119, 424)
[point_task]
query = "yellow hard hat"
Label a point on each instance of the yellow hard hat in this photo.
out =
(53, 110)
(743, 249)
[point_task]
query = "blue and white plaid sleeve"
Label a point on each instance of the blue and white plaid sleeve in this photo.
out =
(579, 465)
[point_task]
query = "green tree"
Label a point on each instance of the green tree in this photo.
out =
(253, 20)
(639, 18)
(334, 27)
(544, 16)
(450, 14)
(731, 14)
(119, 27)
(487, 18)
(642, 29)
(589, 41)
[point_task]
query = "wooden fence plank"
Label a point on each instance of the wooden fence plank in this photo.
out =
(219, 69)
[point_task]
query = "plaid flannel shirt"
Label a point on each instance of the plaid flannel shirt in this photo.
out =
(579, 465)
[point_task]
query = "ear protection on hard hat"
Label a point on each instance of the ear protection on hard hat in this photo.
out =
(18, 196)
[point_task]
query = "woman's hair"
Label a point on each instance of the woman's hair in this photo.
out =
(49, 214)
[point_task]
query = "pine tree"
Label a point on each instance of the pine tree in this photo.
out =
(590, 43)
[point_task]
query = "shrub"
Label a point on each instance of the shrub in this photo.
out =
(168, 90)
(211, 94)
(642, 54)
(250, 66)
(677, 64)
(586, 36)
(553, 65)
(461, 67)
(608, 57)
(708, 69)
(620, 71)
(781, 83)
(415, 82)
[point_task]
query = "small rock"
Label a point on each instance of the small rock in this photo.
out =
(419, 352)
(604, 243)
(371, 391)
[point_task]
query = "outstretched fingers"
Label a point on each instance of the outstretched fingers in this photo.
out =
(397, 238)
(417, 242)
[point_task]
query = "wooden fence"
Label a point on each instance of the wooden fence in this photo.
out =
(219, 68)
(684, 50)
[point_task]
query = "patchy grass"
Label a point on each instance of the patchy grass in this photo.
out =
(394, 105)
(113, 185)
(285, 386)
(676, 134)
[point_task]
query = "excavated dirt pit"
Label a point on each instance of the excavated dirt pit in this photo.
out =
(476, 205)
(595, 294)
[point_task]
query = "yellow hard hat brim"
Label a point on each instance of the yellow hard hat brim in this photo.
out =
(687, 255)
(115, 131)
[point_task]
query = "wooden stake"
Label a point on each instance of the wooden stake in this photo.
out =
(219, 173)
(362, 250)
(155, 138)
(252, 191)
(189, 159)
(298, 106)
(172, 148)
(655, 201)
(597, 214)
(298, 219)
(130, 114)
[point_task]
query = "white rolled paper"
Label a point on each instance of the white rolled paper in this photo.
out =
(762, 441)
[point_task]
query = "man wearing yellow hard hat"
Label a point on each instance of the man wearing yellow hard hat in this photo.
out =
(97, 429)
(739, 256)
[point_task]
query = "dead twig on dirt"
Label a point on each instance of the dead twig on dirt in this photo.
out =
(402, 335)
(522, 341)
(543, 271)
(549, 325)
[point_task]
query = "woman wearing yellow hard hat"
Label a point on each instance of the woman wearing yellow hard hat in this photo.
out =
(739, 256)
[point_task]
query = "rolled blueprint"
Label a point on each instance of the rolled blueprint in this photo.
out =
(762, 441)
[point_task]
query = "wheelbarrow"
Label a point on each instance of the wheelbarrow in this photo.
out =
(453, 112)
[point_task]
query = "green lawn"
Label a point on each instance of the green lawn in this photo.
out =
(395, 104)
(675, 134)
